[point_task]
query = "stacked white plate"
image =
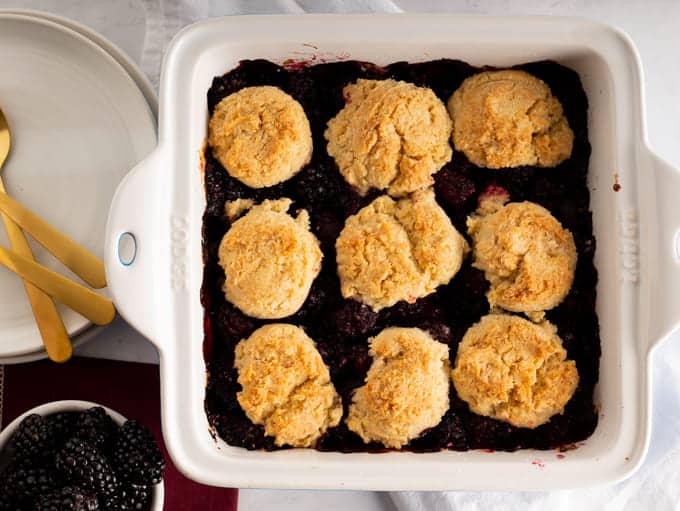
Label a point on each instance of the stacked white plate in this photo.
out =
(82, 115)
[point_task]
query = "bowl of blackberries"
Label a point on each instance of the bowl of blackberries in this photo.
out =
(76, 455)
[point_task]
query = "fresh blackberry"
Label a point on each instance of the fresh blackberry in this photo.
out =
(61, 426)
(82, 464)
(137, 457)
(69, 498)
(96, 428)
(33, 438)
(7, 503)
(129, 498)
(22, 482)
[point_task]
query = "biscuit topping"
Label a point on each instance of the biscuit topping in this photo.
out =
(406, 390)
(391, 136)
(509, 118)
(398, 250)
(260, 135)
(269, 259)
(513, 370)
(286, 385)
(526, 255)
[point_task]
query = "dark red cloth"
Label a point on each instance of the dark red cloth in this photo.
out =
(129, 388)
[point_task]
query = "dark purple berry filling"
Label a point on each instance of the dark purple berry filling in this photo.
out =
(341, 327)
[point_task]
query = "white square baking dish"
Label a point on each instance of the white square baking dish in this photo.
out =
(155, 220)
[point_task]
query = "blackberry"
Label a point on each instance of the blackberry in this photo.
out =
(454, 188)
(404, 313)
(60, 426)
(238, 431)
(353, 320)
(129, 498)
(352, 364)
(232, 323)
(318, 185)
(465, 296)
(443, 76)
(33, 438)
(69, 498)
(96, 428)
(488, 433)
(248, 73)
(22, 482)
(7, 503)
(222, 187)
(449, 434)
(137, 457)
(82, 464)
(319, 294)
(351, 202)
(439, 331)
(327, 226)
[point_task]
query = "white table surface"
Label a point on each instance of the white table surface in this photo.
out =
(654, 25)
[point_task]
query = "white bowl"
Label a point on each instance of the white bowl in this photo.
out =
(158, 493)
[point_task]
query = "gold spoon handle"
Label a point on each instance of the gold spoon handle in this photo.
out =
(77, 258)
(96, 308)
(51, 327)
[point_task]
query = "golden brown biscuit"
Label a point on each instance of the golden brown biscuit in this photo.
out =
(235, 208)
(398, 250)
(406, 390)
(526, 255)
(514, 370)
(391, 136)
(509, 118)
(270, 260)
(286, 385)
(260, 135)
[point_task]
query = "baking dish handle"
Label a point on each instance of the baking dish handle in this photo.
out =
(665, 307)
(128, 257)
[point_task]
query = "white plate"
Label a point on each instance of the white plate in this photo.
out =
(151, 97)
(119, 55)
(79, 123)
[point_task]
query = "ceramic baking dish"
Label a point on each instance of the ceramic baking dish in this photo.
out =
(154, 261)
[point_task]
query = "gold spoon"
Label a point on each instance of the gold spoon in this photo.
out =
(77, 258)
(51, 327)
(94, 307)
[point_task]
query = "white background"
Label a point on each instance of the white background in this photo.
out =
(654, 26)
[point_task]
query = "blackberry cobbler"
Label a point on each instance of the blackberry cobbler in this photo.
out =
(399, 257)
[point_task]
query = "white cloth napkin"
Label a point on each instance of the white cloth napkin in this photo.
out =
(166, 17)
(656, 486)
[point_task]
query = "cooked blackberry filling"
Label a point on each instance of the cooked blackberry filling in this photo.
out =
(341, 327)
